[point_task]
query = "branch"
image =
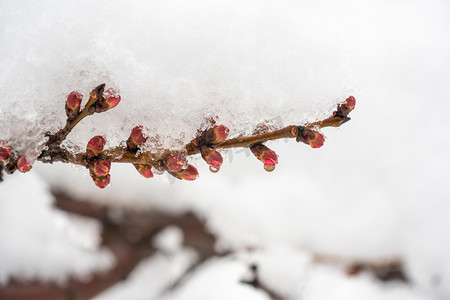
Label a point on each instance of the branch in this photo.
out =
(127, 235)
(129, 239)
(257, 284)
(206, 143)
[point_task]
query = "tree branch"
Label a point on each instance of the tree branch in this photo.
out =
(123, 154)
(207, 142)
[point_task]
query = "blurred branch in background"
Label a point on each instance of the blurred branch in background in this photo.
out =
(128, 235)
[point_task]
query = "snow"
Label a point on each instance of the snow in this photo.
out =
(377, 190)
(151, 277)
(221, 276)
(224, 65)
(39, 241)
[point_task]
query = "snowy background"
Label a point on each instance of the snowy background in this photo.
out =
(377, 190)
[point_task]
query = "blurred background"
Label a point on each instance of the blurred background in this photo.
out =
(365, 216)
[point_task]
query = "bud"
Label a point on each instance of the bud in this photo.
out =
(345, 108)
(267, 156)
(73, 104)
(101, 181)
(310, 137)
(111, 98)
(350, 102)
(95, 146)
(23, 165)
(136, 138)
(144, 170)
(212, 158)
(5, 153)
(220, 133)
(190, 173)
(174, 163)
(217, 134)
(100, 167)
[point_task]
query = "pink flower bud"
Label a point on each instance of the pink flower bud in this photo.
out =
(4, 152)
(345, 108)
(212, 158)
(317, 141)
(95, 146)
(214, 135)
(101, 181)
(267, 156)
(136, 138)
(313, 138)
(220, 133)
(144, 170)
(350, 102)
(73, 104)
(111, 98)
(190, 173)
(174, 163)
(108, 100)
(23, 165)
(100, 167)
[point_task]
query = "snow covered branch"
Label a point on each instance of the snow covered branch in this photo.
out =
(98, 160)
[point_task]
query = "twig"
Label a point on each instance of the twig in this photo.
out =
(207, 142)
(257, 284)
(88, 110)
(123, 155)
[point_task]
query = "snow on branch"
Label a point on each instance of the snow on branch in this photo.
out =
(207, 142)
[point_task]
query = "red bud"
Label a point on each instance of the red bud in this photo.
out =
(100, 167)
(144, 170)
(345, 108)
(136, 138)
(174, 163)
(212, 158)
(111, 98)
(215, 135)
(220, 133)
(313, 138)
(317, 141)
(95, 146)
(350, 102)
(101, 181)
(23, 165)
(73, 104)
(190, 173)
(267, 156)
(4, 152)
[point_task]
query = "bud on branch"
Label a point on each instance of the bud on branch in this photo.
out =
(207, 143)
(310, 137)
(95, 146)
(267, 156)
(136, 139)
(4, 153)
(212, 158)
(190, 173)
(144, 170)
(23, 165)
(73, 105)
